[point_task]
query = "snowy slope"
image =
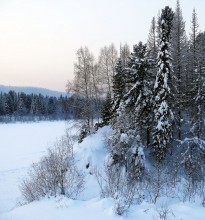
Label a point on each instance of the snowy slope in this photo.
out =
(30, 144)
(30, 90)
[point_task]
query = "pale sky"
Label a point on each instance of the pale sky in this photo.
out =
(39, 38)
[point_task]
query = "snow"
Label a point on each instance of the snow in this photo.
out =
(61, 208)
(92, 150)
(124, 138)
(22, 144)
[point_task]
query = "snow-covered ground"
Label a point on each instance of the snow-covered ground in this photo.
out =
(22, 144)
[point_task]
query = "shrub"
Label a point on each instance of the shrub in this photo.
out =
(113, 182)
(55, 174)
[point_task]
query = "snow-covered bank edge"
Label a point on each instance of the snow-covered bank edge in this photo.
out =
(93, 151)
(62, 208)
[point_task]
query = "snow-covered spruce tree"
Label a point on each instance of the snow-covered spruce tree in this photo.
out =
(119, 121)
(179, 44)
(163, 116)
(152, 49)
(196, 62)
(158, 29)
(107, 111)
(112, 104)
(197, 118)
(137, 100)
(192, 70)
(118, 84)
(131, 122)
(193, 35)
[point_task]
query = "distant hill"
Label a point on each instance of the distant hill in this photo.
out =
(30, 90)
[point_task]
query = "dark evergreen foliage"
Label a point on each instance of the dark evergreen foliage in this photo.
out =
(20, 106)
(118, 84)
(163, 115)
(132, 110)
(107, 111)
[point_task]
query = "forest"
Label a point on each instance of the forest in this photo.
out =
(154, 104)
(155, 107)
(32, 107)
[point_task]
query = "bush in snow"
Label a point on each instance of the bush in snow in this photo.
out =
(115, 183)
(163, 213)
(158, 182)
(55, 174)
(192, 153)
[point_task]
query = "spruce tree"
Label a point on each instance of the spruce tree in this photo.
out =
(196, 78)
(163, 116)
(179, 44)
(118, 84)
(199, 84)
(21, 110)
(138, 97)
(152, 41)
(107, 111)
(131, 121)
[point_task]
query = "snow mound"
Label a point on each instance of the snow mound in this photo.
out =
(62, 208)
(92, 151)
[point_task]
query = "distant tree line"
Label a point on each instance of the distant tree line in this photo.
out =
(20, 106)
